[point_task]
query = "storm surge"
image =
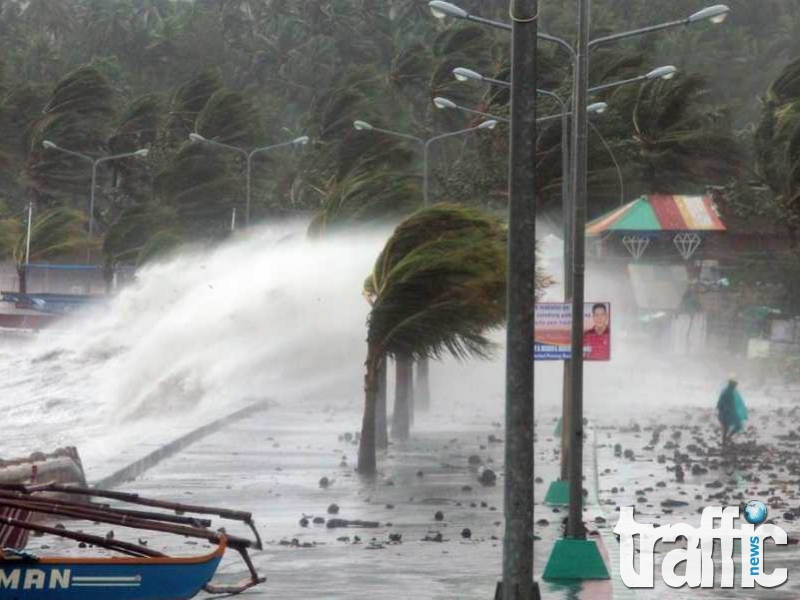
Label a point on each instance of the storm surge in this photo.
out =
(271, 315)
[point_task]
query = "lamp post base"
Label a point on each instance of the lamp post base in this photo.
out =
(498, 592)
(558, 493)
(575, 560)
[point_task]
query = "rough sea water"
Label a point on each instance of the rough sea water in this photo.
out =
(269, 315)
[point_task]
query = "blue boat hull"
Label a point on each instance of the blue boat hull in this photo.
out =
(107, 579)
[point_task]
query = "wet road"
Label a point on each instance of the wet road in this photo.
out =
(271, 465)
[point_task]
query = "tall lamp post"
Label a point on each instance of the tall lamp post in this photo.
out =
(575, 557)
(248, 155)
(558, 492)
(518, 581)
(95, 162)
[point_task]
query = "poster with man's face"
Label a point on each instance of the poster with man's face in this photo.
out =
(597, 332)
(553, 331)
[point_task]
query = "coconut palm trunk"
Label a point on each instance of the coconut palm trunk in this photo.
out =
(381, 430)
(22, 274)
(367, 450)
(422, 389)
(403, 398)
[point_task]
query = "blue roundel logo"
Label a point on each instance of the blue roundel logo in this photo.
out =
(755, 512)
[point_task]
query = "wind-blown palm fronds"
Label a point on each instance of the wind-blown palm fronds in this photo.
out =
(55, 233)
(78, 116)
(680, 138)
(777, 142)
(10, 230)
(229, 117)
(159, 246)
(433, 290)
(190, 99)
(370, 197)
(139, 125)
(199, 186)
(132, 231)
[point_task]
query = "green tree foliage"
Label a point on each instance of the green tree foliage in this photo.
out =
(679, 140)
(438, 286)
(77, 116)
(102, 76)
(55, 233)
(132, 232)
(199, 186)
(777, 142)
(10, 231)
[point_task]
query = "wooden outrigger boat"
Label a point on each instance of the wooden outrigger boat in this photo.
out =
(142, 573)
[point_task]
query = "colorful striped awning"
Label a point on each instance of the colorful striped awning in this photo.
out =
(660, 213)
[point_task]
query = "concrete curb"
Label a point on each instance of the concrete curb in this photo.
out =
(137, 468)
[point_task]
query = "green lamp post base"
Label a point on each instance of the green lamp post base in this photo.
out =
(575, 559)
(558, 493)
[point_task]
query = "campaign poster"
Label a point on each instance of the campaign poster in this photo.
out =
(553, 331)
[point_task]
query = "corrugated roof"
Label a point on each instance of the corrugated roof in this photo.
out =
(660, 213)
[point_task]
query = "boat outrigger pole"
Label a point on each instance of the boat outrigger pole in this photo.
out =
(20, 499)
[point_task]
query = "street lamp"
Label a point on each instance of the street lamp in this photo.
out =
(426, 142)
(95, 162)
(596, 108)
(666, 72)
(716, 14)
(441, 10)
(565, 550)
(248, 155)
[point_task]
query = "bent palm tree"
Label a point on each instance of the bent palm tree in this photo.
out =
(679, 137)
(437, 287)
(777, 143)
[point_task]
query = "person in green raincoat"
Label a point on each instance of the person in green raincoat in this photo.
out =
(731, 410)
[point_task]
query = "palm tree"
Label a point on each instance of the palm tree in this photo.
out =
(437, 287)
(140, 126)
(188, 102)
(199, 186)
(54, 233)
(366, 198)
(49, 19)
(679, 137)
(777, 143)
(135, 233)
(229, 117)
(78, 116)
(10, 230)
(160, 245)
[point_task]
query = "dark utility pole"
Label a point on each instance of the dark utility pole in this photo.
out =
(580, 129)
(518, 541)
